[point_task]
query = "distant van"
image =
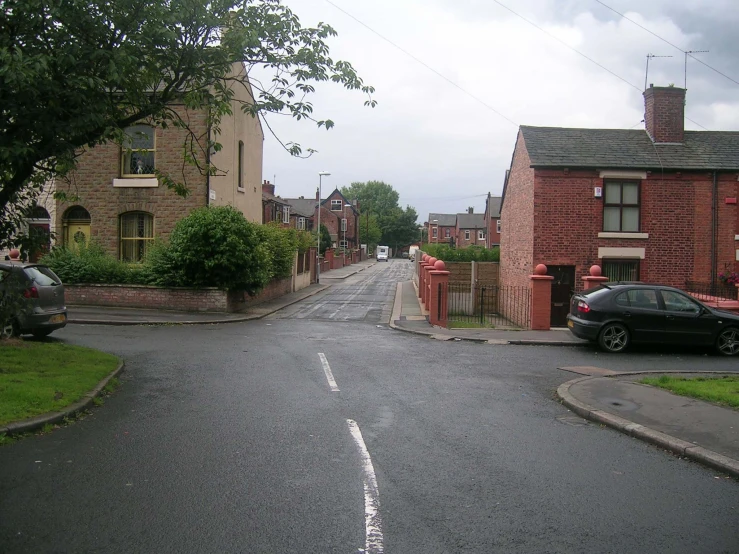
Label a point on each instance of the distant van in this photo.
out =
(383, 253)
(412, 252)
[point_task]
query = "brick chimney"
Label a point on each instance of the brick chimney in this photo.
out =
(268, 187)
(471, 210)
(664, 114)
(317, 199)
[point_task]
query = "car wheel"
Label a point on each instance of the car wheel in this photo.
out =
(727, 342)
(9, 329)
(41, 333)
(614, 338)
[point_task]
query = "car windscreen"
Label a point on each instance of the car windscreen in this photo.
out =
(42, 276)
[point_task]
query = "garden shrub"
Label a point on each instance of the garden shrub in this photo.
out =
(469, 254)
(282, 244)
(90, 265)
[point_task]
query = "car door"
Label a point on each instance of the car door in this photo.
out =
(686, 322)
(641, 312)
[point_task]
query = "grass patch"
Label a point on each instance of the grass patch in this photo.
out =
(470, 325)
(722, 390)
(41, 377)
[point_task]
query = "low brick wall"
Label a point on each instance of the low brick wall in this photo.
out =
(180, 299)
(140, 296)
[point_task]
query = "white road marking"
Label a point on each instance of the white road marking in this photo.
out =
(327, 371)
(372, 522)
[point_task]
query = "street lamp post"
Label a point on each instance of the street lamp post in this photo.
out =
(345, 225)
(321, 174)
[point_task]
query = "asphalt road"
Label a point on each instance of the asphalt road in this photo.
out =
(229, 438)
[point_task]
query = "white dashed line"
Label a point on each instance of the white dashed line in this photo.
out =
(372, 523)
(327, 371)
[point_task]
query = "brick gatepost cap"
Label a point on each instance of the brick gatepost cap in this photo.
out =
(425, 257)
(595, 271)
(432, 260)
(14, 254)
(439, 265)
(540, 269)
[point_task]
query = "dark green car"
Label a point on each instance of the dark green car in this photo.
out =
(31, 300)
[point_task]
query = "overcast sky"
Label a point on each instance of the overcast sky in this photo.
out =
(442, 149)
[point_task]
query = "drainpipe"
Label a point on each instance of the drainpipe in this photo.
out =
(714, 228)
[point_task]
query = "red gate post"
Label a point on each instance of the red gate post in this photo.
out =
(421, 275)
(541, 298)
(594, 279)
(438, 294)
(426, 282)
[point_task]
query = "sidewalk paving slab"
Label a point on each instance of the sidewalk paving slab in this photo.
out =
(704, 432)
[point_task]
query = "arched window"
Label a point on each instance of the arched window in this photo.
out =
(37, 212)
(138, 153)
(136, 234)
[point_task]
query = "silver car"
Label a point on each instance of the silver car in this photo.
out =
(31, 299)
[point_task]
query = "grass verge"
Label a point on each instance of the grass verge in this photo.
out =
(722, 390)
(41, 377)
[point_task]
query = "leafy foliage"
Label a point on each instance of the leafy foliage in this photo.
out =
(469, 254)
(375, 197)
(90, 264)
(281, 244)
(305, 241)
(326, 241)
(87, 69)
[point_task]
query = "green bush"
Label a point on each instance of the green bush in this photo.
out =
(91, 265)
(214, 247)
(469, 254)
(282, 244)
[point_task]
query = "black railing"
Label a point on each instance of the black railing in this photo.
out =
(488, 305)
(708, 292)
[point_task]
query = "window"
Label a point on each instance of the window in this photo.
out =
(676, 302)
(343, 224)
(621, 270)
(286, 214)
(241, 165)
(139, 153)
(621, 207)
(467, 235)
(336, 205)
(434, 232)
(447, 233)
(301, 224)
(640, 298)
(481, 235)
(497, 226)
(343, 244)
(136, 234)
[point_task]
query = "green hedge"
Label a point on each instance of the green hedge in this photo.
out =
(211, 247)
(470, 254)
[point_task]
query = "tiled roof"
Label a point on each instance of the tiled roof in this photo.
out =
(305, 207)
(273, 198)
(471, 221)
(494, 207)
(443, 220)
(624, 148)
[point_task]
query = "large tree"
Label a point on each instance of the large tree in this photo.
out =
(376, 197)
(75, 73)
(400, 228)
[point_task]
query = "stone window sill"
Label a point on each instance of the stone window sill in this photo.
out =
(623, 235)
(136, 183)
(241, 189)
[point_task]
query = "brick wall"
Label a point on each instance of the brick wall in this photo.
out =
(517, 237)
(664, 113)
(92, 182)
(136, 296)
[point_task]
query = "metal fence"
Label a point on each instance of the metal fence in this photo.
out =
(708, 292)
(488, 305)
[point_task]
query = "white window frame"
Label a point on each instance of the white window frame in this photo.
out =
(480, 235)
(343, 224)
(467, 234)
(301, 224)
(435, 232)
(497, 226)
(337, 205)
(286, 214)
(447, 233)
(344, 244)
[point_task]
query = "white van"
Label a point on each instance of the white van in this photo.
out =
(383, 252)
(412, 252)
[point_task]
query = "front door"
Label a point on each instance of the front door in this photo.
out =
(563, 287)
(77, 234)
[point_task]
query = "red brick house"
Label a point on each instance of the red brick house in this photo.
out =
(470, 229)
(338, 215)
(656, 206)
(442, 228)
(121, 203)
(274, 208)
(492, 221)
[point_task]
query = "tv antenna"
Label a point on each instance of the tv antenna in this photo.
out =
(646, 74)
(687, 52)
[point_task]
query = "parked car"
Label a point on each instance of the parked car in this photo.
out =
(617, 314)
(33, 296)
